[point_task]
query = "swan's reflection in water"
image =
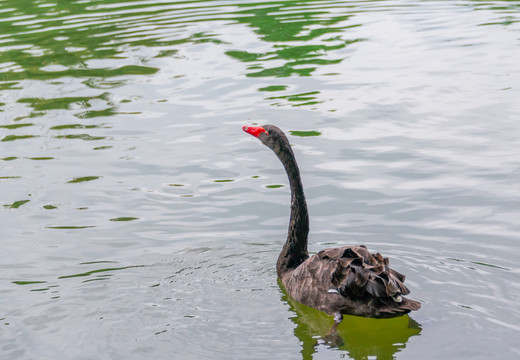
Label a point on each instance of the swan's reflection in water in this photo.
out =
(357, 337)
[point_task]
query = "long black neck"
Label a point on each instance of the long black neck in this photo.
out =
(294, 251)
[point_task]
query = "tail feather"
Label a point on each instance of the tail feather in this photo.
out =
(360, 274)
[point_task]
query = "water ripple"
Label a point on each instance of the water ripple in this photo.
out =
(137, 217)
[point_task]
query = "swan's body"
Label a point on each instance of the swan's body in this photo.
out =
(346, 280)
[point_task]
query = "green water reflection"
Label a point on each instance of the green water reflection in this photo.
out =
(42, 104)
(96, 40)
(302, 40)
(359, 338)
(53, 40)
(72, 33)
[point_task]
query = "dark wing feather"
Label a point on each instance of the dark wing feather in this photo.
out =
(376, 287)
(362, 278)
(350, 280)
(358, 274)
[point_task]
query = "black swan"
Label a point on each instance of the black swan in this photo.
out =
(346, 280)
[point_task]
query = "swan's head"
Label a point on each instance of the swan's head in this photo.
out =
(270, 136)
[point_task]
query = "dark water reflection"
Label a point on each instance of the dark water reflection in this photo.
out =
(138, 221)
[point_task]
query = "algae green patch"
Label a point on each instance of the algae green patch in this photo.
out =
(274, 186)
(28, 282)
(305, 133)
(18, 137)
(83, 179)
(16, 204)
(274, 88)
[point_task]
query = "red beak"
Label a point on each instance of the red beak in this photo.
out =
(253, 130)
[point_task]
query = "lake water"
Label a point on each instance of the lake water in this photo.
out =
(138, 220)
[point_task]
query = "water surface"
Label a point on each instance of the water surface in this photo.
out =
(138, 221)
